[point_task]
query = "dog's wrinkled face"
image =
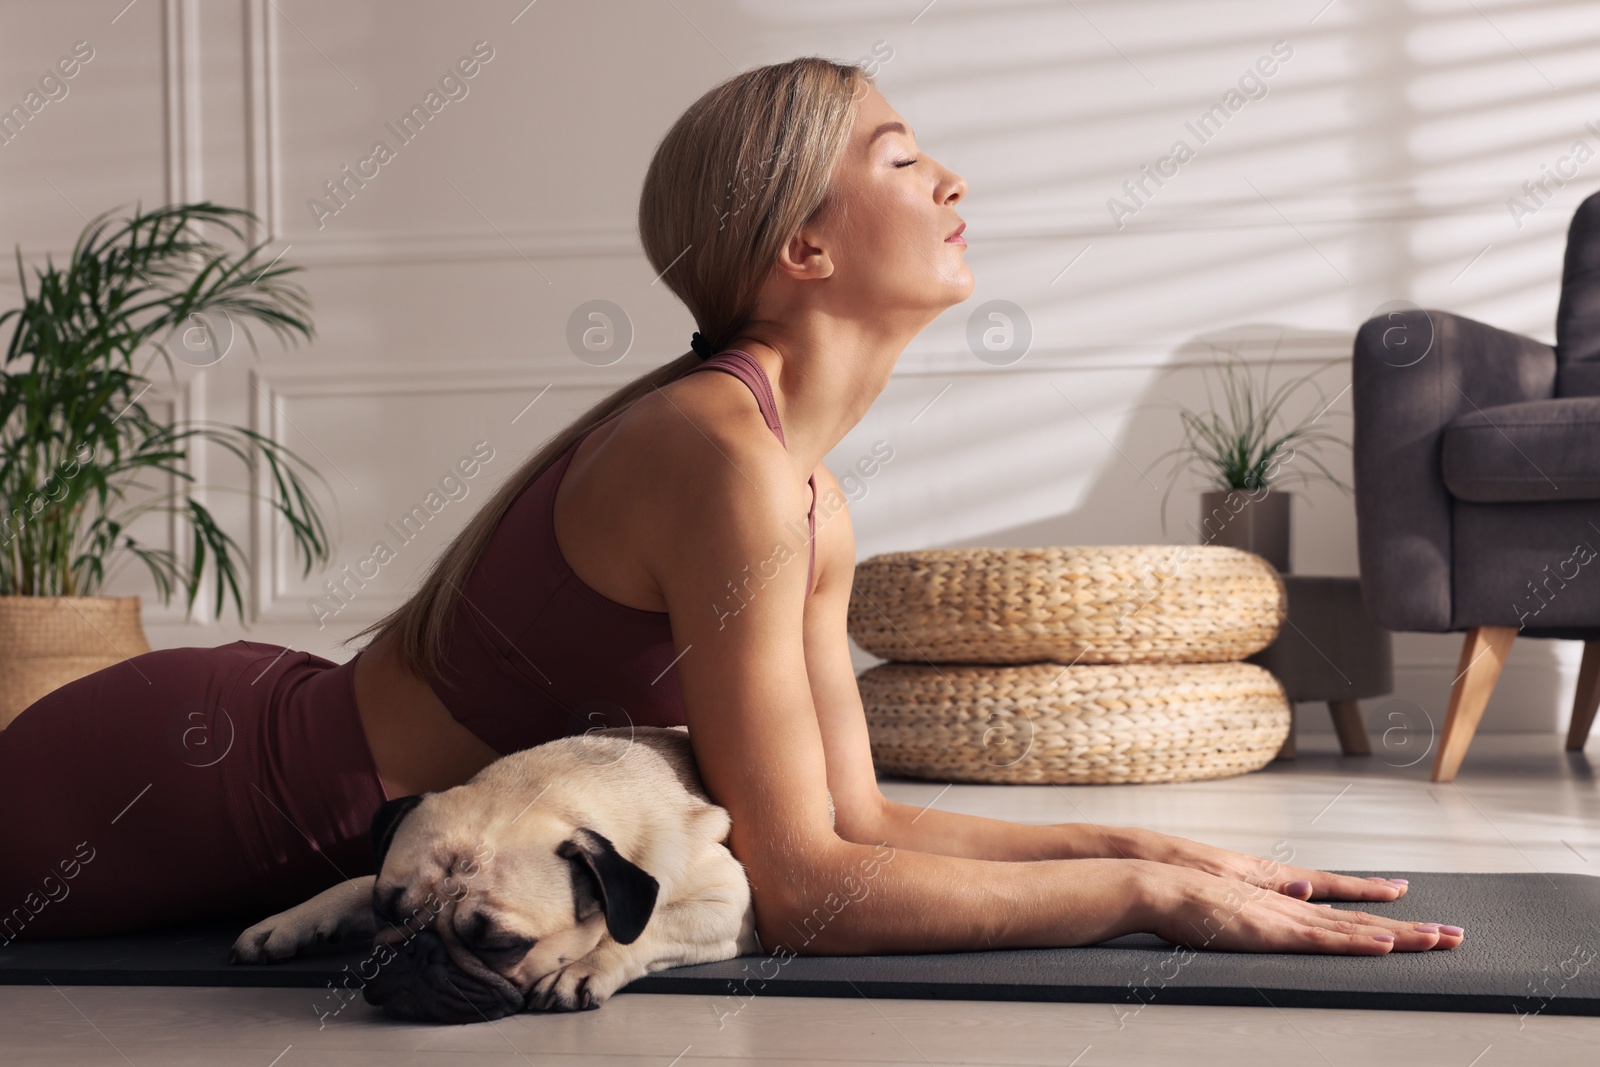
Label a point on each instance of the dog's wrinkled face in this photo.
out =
(475, 906)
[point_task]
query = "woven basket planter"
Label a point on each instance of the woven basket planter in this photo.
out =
(1045, 723)
(48, 641)
(1070, 604)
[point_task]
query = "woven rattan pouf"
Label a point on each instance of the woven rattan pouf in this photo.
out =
(1070, 664)
(1071, 604)
(1048, 723)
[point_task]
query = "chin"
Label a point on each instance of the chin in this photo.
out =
(962, 284)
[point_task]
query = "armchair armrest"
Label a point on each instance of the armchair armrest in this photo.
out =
(1412, 372)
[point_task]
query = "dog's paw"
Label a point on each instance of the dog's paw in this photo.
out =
(294, 933)
(576, 987)
(338, 913)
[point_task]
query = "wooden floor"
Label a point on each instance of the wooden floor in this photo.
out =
(1520, 804)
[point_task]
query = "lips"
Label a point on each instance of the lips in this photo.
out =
(957, 232)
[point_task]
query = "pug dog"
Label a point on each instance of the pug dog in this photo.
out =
(551, 879)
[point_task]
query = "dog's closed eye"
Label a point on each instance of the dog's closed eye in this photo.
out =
(493, 945)
(503, 952)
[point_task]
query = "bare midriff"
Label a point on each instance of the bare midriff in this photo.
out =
(416, 744)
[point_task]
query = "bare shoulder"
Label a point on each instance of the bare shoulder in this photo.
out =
(702, 454)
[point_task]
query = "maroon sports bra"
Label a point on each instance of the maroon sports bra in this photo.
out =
(534, 653)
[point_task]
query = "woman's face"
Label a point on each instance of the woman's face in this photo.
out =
(887, 238)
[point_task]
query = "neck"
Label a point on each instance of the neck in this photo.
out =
(824, 378)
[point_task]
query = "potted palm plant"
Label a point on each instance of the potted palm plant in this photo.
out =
(1247, 462)
(82, 457)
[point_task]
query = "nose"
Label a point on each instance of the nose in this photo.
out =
(955, 188)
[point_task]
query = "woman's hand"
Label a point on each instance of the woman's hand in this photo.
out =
(1303, 883)
(1207, 911)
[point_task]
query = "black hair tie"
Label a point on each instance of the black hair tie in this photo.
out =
(701, 346)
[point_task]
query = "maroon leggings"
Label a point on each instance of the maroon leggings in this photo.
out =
(183, 784)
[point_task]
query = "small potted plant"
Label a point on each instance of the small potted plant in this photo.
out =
(1245, 464)
(76, 437)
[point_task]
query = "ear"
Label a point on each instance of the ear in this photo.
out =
(625, 891)
(386, 820)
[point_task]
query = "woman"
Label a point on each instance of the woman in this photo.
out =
(790, 210)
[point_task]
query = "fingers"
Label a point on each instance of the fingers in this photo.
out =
(1407, 936)
(1381, 884)
(1325, 886)
(1305, 928)
(1327, 940)
(1243, 916)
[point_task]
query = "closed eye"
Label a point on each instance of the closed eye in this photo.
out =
(492, 945)
(505, 950)
(905, 162)
(506, 944)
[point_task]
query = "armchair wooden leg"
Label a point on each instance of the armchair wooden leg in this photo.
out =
(1348, 725)
(1587, 701)
(1483, 653)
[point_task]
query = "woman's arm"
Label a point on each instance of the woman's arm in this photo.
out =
(859, 899)
(760, 751)
(865, 816)
(928, 829)
(948, 833)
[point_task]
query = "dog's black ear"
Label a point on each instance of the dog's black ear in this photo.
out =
(624, 890)
(386, 820)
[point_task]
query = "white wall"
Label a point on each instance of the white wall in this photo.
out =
(1376, 165)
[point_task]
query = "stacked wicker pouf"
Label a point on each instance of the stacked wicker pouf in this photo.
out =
(1070, 664)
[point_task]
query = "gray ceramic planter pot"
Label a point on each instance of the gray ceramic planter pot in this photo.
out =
(1256, 521)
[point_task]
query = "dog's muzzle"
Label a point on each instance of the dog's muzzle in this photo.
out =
(422, 983)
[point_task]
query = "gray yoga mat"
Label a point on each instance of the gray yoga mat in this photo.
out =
(1532, 947)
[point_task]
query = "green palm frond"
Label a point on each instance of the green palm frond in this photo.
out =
(75, 435)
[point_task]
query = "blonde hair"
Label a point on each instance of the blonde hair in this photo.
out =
(740, 172)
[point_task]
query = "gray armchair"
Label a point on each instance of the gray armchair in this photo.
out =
(1477, 478)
